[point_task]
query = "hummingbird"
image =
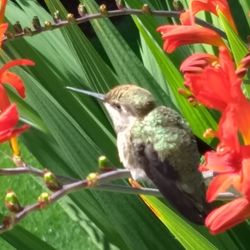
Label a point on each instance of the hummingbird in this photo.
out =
(154, 142)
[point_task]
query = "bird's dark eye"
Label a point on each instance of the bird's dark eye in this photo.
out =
(116, 106)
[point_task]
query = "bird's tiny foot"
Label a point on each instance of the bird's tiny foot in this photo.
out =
(134, 183)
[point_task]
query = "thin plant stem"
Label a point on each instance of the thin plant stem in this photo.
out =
(109, 14)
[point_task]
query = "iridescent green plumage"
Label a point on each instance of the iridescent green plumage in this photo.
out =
(166, 137)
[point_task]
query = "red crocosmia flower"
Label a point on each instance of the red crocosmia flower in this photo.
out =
(178, 35)
(213, 6)
(217, 84)
(214, 83)
(229, 159)
(228, 166)
(228, 215)
(231, 165)
(8, 121)
(12, 79)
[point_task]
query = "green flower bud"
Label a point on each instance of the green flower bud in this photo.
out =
(51, 181)
(43, 199)
(18, 28)
(103, 9)
(102, 162)
(81, 10)
(146, 9)
(36, 23)
(12, 203)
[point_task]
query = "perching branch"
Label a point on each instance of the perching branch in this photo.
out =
(58, 23)
(94, 181)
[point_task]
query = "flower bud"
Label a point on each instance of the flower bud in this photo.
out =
(12, 203)
(43, 199)
(120, 4)
(102, 162)
(47, 25)
(18, 28)
(103, 9)
(146, 9)
(51, 181)
(92, 179)
(36, 23)
(56, 16)
(81, 10)
(70, 17)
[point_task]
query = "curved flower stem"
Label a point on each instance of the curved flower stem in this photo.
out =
(108, 14)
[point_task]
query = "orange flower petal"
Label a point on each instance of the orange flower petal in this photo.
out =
(224, 160)
(219, 184)
(15, 81)
(17, 62)
(4, 99)
(243, 119)
(3, 28)
(210, 87)
(187, 18)
(197, 62)
(228, 127)
(8, 121)
(228, 215)
(2, 9)
(178, 35)
(8, 118)
(13, 133)
(213, 6)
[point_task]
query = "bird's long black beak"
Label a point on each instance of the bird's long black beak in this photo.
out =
(98, 96)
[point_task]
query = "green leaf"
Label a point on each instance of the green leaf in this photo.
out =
(238, 47)
(191, 237)
(186, 234)
(24, 240)
(240, 11)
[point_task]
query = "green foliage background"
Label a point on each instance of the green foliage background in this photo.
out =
(69, 132)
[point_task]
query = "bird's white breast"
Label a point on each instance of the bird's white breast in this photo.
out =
(127, 157)
(123, 122)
